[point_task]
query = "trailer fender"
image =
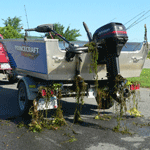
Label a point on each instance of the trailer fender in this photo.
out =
(31, 87)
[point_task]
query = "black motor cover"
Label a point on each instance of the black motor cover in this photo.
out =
(112, 37)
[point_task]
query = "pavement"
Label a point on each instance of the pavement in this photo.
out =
(91, 134)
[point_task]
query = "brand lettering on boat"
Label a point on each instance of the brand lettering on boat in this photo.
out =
(103, 31)
(27, 49)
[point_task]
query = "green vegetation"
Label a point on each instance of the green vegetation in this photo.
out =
(144, 78)
(14, 22)
(9, 32)
(38, 121)
(12, 28)
(104, 117)
(70, 35)
(21, 124)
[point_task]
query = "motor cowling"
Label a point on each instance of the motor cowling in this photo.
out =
(112, 36)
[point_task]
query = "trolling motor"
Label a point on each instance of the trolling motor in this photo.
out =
(110, 40)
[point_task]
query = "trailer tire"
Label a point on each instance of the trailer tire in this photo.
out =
(23, 103)
(105, 103)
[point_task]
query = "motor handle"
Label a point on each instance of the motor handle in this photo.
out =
(78, 50)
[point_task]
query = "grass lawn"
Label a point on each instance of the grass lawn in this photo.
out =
(144, 78)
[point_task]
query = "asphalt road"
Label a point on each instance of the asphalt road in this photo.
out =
(91, 134)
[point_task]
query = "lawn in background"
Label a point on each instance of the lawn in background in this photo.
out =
(144, 78)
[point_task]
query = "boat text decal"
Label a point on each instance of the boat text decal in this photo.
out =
(27, 51)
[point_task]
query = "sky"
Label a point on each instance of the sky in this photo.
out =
(94, 13)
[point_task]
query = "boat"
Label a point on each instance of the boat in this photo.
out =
(49, 61)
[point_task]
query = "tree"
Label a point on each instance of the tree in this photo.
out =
(70, 35)
(14, 22)
(9, 32)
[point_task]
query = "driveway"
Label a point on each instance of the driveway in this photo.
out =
(91, 134)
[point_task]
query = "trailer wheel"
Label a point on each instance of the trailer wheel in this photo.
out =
(104, 100)
(23, 103)
(105, 103)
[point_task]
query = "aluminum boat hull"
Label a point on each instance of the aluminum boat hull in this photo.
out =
(45, 59)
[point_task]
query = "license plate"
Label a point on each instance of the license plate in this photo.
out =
(52, 104)
(91, 93)
(5, 66)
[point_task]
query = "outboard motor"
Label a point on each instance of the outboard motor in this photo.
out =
(110, 40)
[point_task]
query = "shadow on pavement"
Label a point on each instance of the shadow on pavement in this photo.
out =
(9, 110)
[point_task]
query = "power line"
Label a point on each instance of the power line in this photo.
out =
(134, 17)
(112, 19)
(135, 22)
(138, 22)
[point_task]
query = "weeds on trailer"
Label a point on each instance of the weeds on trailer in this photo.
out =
(38, 121)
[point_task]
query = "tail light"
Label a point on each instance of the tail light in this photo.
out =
(44, 92)
(135, 87)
